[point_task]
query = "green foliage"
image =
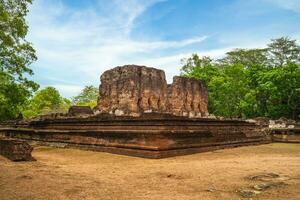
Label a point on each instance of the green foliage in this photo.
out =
(12, 97)
(246, 57)
(16, 54)
(283, 50)
(282, 84)
(252, 82)
(87, 97)
(46, 101)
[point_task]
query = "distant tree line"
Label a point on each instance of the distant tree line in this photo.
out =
(245, 83)
(49, 100)
(87, 97)
(18, 94)
(249, 83)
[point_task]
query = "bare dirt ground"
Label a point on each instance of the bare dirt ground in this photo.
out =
(77, 174)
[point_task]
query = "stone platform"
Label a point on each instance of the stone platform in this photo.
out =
(287, 135)
(15, 150)
(149, 136)
(139, 114)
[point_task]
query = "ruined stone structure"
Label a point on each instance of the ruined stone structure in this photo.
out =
(284, 130)
(15, 150)
(140, 115)
(80, 110)
(132, 90)
(286, 135)
(150, 135)
(187, 97)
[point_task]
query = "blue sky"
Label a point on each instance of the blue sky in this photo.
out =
(76, 40)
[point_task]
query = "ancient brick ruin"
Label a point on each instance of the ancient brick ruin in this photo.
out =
(80, 110)
(187, 97)
(138, 114)
(15, 150)
(150, 135)
(132, 90)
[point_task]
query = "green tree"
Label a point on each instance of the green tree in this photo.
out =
(87, 97)
(194, 62)
(255, 62)
(251, 82)
(204, 69)
(246, 57)
(227, 90)
(282, 84)
(283, 50)
(46, 101)
(16, 55)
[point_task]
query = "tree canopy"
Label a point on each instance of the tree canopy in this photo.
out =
(87, 97)
(45, 101)
(252, 82)
(16, 55)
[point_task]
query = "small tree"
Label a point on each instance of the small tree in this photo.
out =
(283, 50)
(87, 97)
(246, 57)
(46, 101)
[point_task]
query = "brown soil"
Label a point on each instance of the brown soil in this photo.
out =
(76, 174)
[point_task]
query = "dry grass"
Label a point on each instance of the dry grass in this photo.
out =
(76, 174)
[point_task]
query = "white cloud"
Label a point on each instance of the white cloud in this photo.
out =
(129, 10)
(172, 63)
(79, 45)
(87, 42)
(67, 90)
(293, 5)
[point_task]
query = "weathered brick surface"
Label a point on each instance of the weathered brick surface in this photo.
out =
(288, 135)
(80, 110)
(15, 150)
(133, 90)
(188, 97)
(150, 135)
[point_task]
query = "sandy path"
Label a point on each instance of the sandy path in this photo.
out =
(76, 174)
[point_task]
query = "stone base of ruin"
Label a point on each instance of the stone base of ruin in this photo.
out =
(148, 136)
(152, 154)
(287, 135)
(15, 150)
